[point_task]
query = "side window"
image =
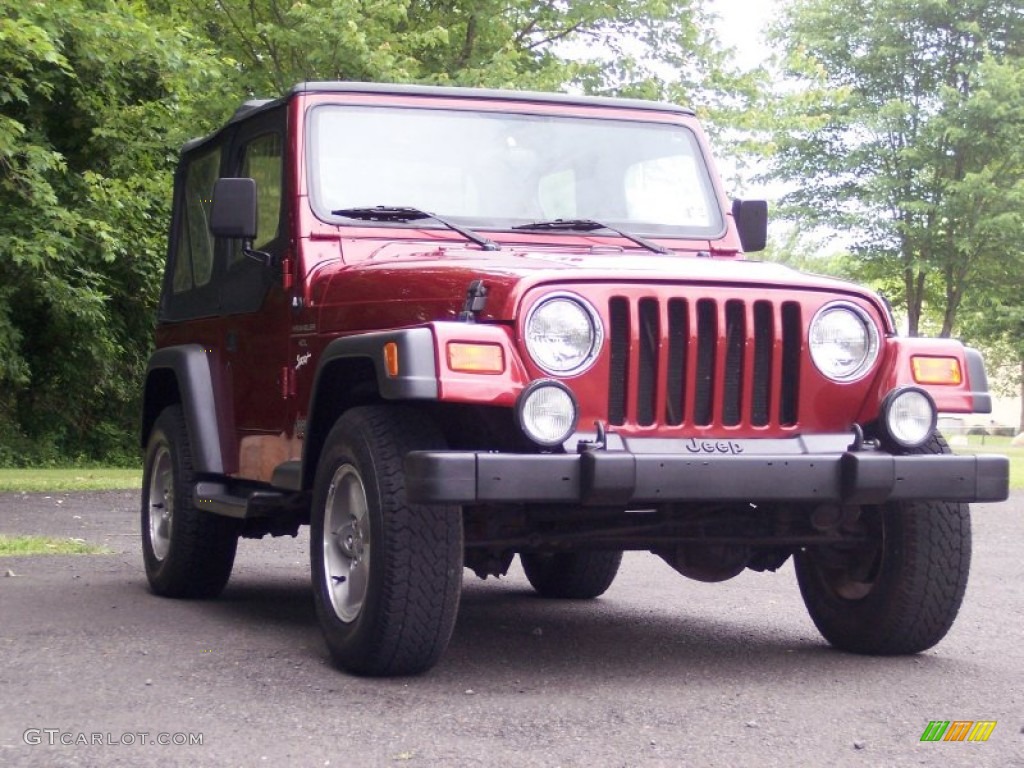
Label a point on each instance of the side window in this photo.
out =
(194, 263)
(262, 161)
(246, 281)
(183, 262)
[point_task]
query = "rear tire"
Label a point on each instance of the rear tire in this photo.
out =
(571, 575)
(387, 574)
(898, 592)
(187, 552)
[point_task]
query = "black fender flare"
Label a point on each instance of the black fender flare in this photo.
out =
(190, 366)
(416, 379)
(978, 380)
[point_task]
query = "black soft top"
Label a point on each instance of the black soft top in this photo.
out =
(454, 92)
(470, 94)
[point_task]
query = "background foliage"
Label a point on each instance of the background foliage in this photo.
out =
(94, 98)
(895, 122)
(97, 96)
(900, 125)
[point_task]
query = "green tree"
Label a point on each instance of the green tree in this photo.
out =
(97, 96)
(94, 95)
(801, 252)
(1000, 324)
(654, 49)
(628, 45)
(900, 121)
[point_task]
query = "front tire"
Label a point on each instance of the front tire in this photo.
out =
(571, 575)
(187, 552)
(899, 591)
(387, 574)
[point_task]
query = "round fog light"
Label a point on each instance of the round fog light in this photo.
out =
(547, 413)
(909, 417)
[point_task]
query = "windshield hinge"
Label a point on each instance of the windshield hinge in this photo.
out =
(476, 300)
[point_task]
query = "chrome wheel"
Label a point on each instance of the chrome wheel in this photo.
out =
(346, 543)
(386, 573)
(188, 552)
(161, 502)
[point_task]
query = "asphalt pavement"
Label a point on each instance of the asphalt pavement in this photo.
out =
(661, 671)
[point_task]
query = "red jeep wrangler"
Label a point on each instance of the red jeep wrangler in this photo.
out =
(448, 326)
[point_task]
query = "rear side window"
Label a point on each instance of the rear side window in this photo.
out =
(193, 266)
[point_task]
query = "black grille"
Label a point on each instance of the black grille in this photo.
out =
(678, 339)
(764, 334)
(618, 319)
(791, 329)
(649, 342)
(748, 353)
(735, 343)
(707, 344)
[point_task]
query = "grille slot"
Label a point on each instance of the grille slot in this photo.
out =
(764, 333)
(678, 344)
(650, 337)
(791, 325)
(618, 318)
(707, 345)
(703, 362)
(735, 343)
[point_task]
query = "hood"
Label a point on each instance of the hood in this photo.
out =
(411, 285)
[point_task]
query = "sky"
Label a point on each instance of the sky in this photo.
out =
(740, 26)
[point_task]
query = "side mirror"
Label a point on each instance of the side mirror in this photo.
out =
(751, 217)
(233, 213)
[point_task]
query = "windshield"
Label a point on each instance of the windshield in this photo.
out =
(502, 170)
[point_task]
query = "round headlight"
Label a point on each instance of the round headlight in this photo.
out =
(909, 417)
(563, 334)
(843, 341)
(547, 413)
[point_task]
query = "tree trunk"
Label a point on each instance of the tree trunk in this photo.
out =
(1020, 427)
(914, 283)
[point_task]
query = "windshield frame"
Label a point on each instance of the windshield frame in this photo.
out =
(709, 193)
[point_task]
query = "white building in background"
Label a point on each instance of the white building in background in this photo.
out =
(1005, 417)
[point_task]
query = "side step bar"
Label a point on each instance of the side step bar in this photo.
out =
(217, 498)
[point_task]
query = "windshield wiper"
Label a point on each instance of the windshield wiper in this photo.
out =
(404, 213)
(590, 225)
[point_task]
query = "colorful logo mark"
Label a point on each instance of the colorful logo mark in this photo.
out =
(958, 730)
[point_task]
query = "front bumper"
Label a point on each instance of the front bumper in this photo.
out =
(625, 477)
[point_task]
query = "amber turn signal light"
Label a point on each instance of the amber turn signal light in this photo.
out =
(476, 358)
(391, 359)
(936, 370)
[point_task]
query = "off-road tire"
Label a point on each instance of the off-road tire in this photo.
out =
(571, 575)
(907, 597)
(188, 552)
(389, 607)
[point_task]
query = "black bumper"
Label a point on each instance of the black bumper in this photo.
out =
(603, 478)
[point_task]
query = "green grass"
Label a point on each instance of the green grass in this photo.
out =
(19, 546)
(98, 479)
